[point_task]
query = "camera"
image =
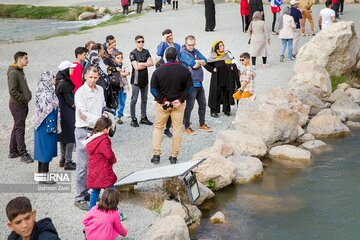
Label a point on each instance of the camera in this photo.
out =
(166, 106)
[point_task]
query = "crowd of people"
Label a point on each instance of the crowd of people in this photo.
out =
(73, 106)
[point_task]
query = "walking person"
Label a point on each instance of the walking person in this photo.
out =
(305, 7)
(327, 16)
(286, 26)
(20, 96)
(245, 14)
(175, 4)
(210, 21)
(100, 173)
(194, 61)
(275, 6)
(296, 14)
(169, 97)
(47, 123)
(259, 38)
(158, 5)
(167, 41)
(65, 90)
(140, 59)
(224, 79)
(139, 5)
(89, 103)
(125, 5)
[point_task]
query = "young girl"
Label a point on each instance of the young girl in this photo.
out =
(101, 158)
(246, 79)
(102, 222)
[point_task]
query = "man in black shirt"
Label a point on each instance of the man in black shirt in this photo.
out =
(140, 59)
(170, 97)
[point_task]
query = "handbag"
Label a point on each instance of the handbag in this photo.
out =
(111, 99)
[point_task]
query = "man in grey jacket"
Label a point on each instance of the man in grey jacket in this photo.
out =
(20, 96)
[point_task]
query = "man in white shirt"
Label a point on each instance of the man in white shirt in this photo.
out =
(89, 103)
(326, 16)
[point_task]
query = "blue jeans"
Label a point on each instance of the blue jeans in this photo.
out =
(94, 195)
(289, 42)
(121, 99)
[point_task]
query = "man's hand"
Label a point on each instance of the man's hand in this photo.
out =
(176, 103)
(165, 37)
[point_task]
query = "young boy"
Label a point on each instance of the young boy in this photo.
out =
(77, 72)
(246, 78)
(23, 225)
(124, 84)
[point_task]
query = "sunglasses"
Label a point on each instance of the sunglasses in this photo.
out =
(190, 45)
(140, 41)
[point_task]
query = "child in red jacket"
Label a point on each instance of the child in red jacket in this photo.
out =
(100, 174)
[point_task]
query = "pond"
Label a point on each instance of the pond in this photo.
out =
(317, 202)
(19, 30)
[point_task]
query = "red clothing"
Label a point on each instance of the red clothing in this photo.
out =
(275, 9)
(335, 1)
(124, 3)
(76, 76)
(244, 8)
(101, 225)
(101, 158)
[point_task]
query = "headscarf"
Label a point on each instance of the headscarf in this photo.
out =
(93, 58)
(257, 16)
(284, 10)
(216, 55)
(45, 98)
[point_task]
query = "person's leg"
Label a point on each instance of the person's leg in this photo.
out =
(290, 48)
(335, 7)
(283, 47)
(62, 154)
(141, 5)
(311, 21)
(161, 116)
(247, 22)
(177, 116)
(264, 60)
(177, 5)
(341, 7)
(94, 195)
(190, 101)
(273, 22)
(69, 151)
(226, 101)
(302, 22)
(201, 99)
(296, 43)
(144, 96)
(134, 97)
(81, 163)
(122, 101)
(173, 4)
(253, 61)
(17, 140)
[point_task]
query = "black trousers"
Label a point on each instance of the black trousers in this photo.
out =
(175, 4)
(274, 22)
(335, 7)
(139, 7)
(210, 21)
(126, 9)
(341, 2)
(222, 96)
(19, 113)
(43, 167)
(245, 22)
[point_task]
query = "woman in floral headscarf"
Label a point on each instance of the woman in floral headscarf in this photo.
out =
(46, 122)
(224, 79)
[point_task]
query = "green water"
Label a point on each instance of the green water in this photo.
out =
(317, 202)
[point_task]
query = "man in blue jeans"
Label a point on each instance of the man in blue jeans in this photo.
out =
(194, 60)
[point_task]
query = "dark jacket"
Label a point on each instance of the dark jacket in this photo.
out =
(100, 173)
(43, 230)
(18, 89)
(64, 90)
(188, 59)
(171, 81)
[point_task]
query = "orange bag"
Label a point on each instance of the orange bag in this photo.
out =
(239, 95)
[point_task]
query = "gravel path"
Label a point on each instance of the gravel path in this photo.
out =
(132, 146)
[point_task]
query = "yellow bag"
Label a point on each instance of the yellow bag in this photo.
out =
(239, 95)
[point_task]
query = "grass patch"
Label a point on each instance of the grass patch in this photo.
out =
(210, 184)
(349, 78)
(42, 12)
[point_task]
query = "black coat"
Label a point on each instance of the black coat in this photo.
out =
(43, 230)
(64, 89)
(226, 75)
(210, 21)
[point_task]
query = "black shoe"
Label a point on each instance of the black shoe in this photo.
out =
(87, 197)
(146, 121)
(70, 166)
(119, 121)
(26, 158)
(155, 159)
(62, 163)
(168, 133)
(14, 155)
(173, 160)
(215, 115)
(134, 123)
(227, 113)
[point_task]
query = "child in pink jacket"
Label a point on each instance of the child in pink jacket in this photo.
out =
(102, 222)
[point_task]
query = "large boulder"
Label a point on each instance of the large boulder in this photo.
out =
(290, 154)
(216, 171)
(305, 138)
(247, 168)
(343, 86)
(313, 78)
(323, 126)
(354, 94)
(205, 193)
(339, 55)
(274, 117)
(87, 16)
(241, 143)
(346, 108)
(314, 145)
(309, 99)
(336, 95)
(168, 228)
(191, 214)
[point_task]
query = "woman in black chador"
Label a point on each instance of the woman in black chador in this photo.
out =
(209, 15)
(158, 5)
(224, 79)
